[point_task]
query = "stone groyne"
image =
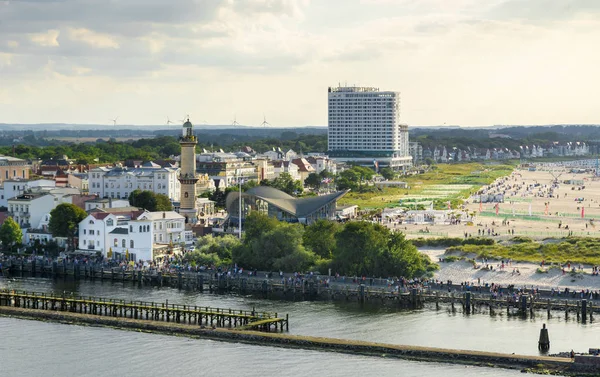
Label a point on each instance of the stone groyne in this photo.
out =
(544, 364)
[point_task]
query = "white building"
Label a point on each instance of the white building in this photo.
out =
(168, 227)
(286, 167)
(28, 210)
(105, 203)
(138, 234)
(364, 126)
(15, 187)
(119, 182)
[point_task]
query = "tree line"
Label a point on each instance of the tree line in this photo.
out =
(357, 248)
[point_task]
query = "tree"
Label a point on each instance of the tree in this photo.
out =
(387, 173)
(10, 233)
(319, 237)
(313, 180)
(64, 221)
(163, 203)
(364, 248)
(272, 245)
(285, 183)
(358, 246)
(150, 201)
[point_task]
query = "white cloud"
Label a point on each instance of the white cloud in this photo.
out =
(92, 38)
(47, 39)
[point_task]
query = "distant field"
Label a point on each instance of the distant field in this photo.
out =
(93, 139)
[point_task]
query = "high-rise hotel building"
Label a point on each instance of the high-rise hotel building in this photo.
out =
(364, 127)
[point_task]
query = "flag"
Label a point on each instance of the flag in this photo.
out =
(497, 208)
(480, 206)
(546, 210)
(582, 212)
(431, 206)
(376, 165)
(448, 202)
(529, 209)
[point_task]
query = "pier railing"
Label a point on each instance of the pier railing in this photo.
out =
(144, 310)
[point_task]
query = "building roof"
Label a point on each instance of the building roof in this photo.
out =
(303, 165)
(29, 196)
(168, 215)
(119, 231)
(134, 212)
(299, 207)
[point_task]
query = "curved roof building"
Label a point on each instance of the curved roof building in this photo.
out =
(282, 206)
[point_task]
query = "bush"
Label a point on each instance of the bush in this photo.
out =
(452, 258)
(521, 239)
(437, 242)
(478, 241)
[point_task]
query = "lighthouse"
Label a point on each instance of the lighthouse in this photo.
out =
(187, 174)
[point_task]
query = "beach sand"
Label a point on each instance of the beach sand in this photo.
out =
(562, 208)
(463, 271)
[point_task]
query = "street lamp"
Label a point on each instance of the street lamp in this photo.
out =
(239, 178)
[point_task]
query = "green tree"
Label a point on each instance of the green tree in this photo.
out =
(285, 183)
(320, 237)
(272, 245)
(150, 201)
(313, 180)
(387, 173)
(10, 233)
(358, 246)
(348, 180)
(163, 203)
(364, 248)
(64, 221)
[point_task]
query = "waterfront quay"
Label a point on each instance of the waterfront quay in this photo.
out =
(373, 291)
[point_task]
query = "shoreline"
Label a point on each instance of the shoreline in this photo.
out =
(556, 365)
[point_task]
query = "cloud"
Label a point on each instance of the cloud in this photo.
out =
(459, 59)
(47, 39)
(92, 38)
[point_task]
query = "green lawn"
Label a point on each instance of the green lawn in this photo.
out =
(574, 250)
(443, 182)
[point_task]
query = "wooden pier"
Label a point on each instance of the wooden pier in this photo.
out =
(141, 310)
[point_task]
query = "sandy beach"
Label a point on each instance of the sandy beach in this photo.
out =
(463, 271)
(535, 203)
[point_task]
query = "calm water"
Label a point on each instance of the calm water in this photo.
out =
(113, 352)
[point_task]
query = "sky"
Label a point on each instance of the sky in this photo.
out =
(455, 62)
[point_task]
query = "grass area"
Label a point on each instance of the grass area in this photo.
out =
(443, 182)
(575, 250)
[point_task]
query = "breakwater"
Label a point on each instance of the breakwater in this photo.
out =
(562, 366)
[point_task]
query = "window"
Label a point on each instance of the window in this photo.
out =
(92, 222)
(116, 242)
(131, 244)
(123, 244)
(109, 222)
(131, 228)
(140, 228)
(84, 231)
(92, 232)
